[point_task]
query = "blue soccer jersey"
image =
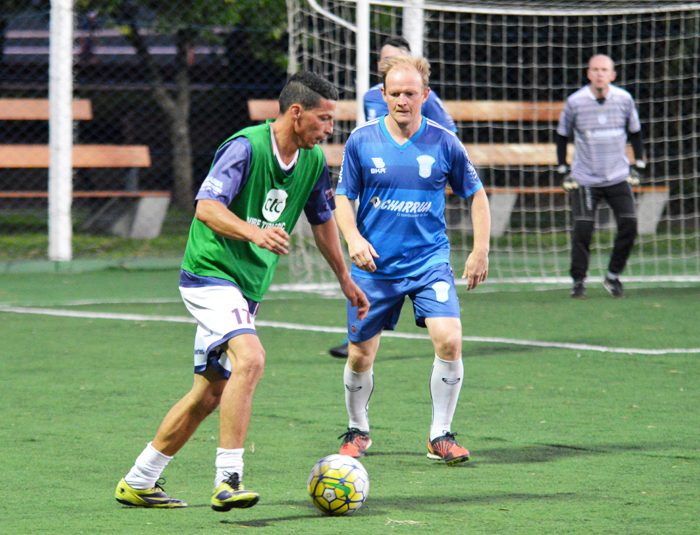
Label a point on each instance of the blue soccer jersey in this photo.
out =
(401, 192)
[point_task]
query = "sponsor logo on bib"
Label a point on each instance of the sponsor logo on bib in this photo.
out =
(274, 204)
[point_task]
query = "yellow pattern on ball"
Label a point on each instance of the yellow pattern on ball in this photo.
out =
(338, 485)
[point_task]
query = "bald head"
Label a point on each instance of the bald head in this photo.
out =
(600, 59)
(601, 73)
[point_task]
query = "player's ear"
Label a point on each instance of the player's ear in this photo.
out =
(425, 95)
(295, 110)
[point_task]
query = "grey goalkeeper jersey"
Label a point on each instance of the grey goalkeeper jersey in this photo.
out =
(600, 135)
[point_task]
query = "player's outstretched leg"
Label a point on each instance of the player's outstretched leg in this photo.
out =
(355, 443)
(153, 497)
(445, 448)
(232, 494)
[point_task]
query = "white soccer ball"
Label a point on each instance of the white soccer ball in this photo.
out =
(338, 485)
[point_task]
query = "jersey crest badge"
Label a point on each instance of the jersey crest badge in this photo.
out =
(425, 164)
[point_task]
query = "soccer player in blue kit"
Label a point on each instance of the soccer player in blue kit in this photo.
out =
(375, 107)
(397, 167)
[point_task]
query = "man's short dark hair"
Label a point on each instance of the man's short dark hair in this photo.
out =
(307, 89)
(397, 42)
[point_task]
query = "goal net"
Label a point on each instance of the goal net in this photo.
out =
(537, 52)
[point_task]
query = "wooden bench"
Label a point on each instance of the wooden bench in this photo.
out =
(482, 154)
(127, 213)
(651, 201)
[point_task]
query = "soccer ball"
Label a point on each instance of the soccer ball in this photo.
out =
(338, 485)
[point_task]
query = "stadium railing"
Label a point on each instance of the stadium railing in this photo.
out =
(651, 200)
(130, 213)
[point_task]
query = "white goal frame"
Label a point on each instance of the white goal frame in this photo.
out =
(527, 253)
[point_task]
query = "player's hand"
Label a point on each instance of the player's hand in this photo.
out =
(565, 179)
(356, 297)
(362, 254)
(476, 269)
(274, 239)
(636, 173)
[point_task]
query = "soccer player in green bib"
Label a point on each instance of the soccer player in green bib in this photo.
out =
(261, 179)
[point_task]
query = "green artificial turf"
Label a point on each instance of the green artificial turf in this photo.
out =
(563, 440)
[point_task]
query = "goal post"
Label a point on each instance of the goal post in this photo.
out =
(506, 51)
(60, 131)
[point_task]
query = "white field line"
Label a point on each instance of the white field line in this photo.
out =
(331, 290)
(340, 330)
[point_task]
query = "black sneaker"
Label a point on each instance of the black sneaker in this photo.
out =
(340, 351)
(614, 286)
(579, 290)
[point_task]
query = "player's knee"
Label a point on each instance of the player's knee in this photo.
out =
(251, 362)
(449, 347)
(628, 228)
(583, 227)
(360, 362)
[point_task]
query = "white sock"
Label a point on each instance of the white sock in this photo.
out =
(445, 385)
(358, 389)
(613, 276)
(147, 469)
(228, 462)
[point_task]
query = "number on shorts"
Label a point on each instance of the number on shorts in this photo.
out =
(237, 313)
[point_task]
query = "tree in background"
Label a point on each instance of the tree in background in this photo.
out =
(190, 23)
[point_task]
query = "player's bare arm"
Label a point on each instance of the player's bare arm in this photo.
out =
(476, 269)
(361, 251)
(328, 242)
(225, 223)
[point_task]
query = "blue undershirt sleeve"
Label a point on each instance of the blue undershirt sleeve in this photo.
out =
(319, 208)
(229, 172)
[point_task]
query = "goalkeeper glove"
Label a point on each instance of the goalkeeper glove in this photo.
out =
(567, 183)
(636, 173)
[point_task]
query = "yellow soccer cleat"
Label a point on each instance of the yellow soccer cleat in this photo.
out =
(232, 494)
(154, 497)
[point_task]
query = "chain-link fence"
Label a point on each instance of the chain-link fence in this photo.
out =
(159, 86)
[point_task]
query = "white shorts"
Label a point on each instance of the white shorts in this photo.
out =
(222, 312)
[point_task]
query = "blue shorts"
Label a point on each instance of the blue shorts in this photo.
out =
(432, 292)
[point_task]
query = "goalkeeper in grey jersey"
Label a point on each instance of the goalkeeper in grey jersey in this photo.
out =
(601, 117)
